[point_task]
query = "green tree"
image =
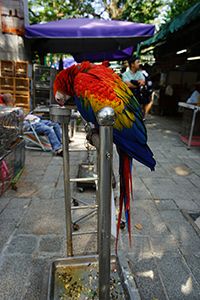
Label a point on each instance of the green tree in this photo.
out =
(53, 10)
(175, 8)
(143, 11)
(138, 11)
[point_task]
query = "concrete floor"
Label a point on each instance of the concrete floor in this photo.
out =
(165, 256)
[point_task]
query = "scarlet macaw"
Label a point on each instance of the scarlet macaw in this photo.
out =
(94, 87)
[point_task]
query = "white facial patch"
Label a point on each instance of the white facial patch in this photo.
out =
(61, 98)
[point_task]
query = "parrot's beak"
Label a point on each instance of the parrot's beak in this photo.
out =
(61, 98)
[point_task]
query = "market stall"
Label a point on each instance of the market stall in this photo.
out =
(175, 49)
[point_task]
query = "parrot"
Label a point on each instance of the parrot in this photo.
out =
(94, 87)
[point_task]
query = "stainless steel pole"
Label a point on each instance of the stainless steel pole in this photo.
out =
(192, 127)
(66, 169)
(106, 118)
(62, 115)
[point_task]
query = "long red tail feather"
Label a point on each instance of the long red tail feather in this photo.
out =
(125, 172)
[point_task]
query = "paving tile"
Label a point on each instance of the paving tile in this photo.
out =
(177, 278)
(164, 245)
(3, 203)
(35, 287)
(166, 204)
(52, 244)
(172, 216)
(22, 245)
(141, 195)
(13, 273)
(44, 217)
(185, 237)
(147, 277)
(140, 244)
(194, 179)
(188, 205)
(20, 203)
(7, 228)
(12, 214)
(193, 261)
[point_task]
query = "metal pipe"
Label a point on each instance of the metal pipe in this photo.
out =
(66, 169)
(106, 118)
(79, 200)
(85, 215)
(84, 207)
(62, 115)
(97, 195)
(192, 128)
(85, 232)
(81, 150)
(83, 179)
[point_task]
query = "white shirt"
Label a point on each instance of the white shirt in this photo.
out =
(33, 120)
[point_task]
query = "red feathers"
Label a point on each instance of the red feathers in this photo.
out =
(125, 171)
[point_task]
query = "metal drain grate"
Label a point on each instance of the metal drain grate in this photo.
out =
(196, 218)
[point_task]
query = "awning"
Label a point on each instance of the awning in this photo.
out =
(190, 15)
(80, 35)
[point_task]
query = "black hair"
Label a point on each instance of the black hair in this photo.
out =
(132, 60)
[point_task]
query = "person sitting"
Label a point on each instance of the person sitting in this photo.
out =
(195, 95)
(51, 129)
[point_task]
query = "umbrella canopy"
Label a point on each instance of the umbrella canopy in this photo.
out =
(105, 55)
(86, 35)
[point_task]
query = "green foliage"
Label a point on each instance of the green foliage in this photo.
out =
(52, 10)
(178, 7)
(141, 11)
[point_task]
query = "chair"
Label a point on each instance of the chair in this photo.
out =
(31, 135)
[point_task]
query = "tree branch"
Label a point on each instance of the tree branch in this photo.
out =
(33, 13)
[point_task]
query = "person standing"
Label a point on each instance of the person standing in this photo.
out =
(60, 64)
(134, 78)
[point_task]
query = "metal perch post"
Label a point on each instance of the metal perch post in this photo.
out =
(62, 115)
(106, 118)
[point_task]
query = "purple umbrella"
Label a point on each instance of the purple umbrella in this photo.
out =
(105, 55)
(76, 36)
